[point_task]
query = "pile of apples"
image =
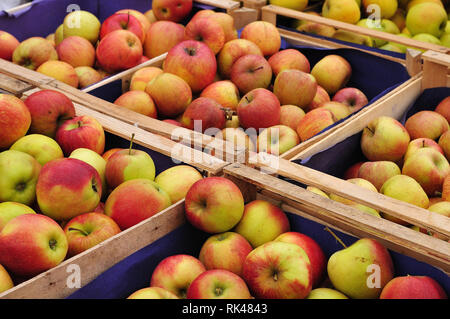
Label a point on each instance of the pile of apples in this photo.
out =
(252, 253)
(225, 85)
(407, 162)
(422, 20)
(83, 51)
(61, 193)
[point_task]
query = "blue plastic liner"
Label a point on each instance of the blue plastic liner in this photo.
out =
(134, 272)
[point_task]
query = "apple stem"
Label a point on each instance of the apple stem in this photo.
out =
(128, 21)
(336, 237)
(258, 68)
(79, 230)
(247, 99)
(370, 130)
(131, 144)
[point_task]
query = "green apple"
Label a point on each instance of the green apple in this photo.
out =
(353, 38)
(387, 7)
(425, 37)
(445, 40)
(43, 148)
(94, 159)
(6, 282)
(428, 18)
(326, 293)
(299, 5)
(383, 25)
(59, 34)
(83, 24)
(177, 180)
(9, 210)
(341, 10)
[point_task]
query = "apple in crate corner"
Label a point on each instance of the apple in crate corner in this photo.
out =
(49, 109)
(172, 10)
(207, 31)
(208, 210)
(10, 210)
(289, 59)
(15, 120)
(225, 93)
(122, 21)
(138, 101)
(176, 273)
(264, 34)
(218, 284)
(351, 97)
(427, 124)
(332, 73)
(278, 270)
(277, 139)
(314, 122)
(251, 72)
(43, 148)
(76, 51)
(232, 51)
(152, 293)
(203, 114)
(19, 174)
(87, 76)
(8, 43)
(33, 52)
(6, 282)
(413, 287)
(31, 244)
(177, 180)
(60, 71)
(143, 76)
(288, 85)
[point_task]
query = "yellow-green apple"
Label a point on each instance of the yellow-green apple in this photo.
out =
(83, 24)
(138, 101)
(76, 51)
(225, 251)
(194, 62)
(278, 270)
(43, 148)
(264, 34)
(412, 3)
(383, 25)
(138, 15)
(342, 10)
(399, 18)
(227, 23)
(19, 174)
(420, 143)
(295, 87)
(119, 50)
(87, 230)
(353, 171)
(223, 92)
(48, 109)
(291, 116)
(207, 31)
(352, 97)
(259, 109)
(106, 155)
(387, 7)
(10, 210)
(443, 107)
(134, 201)
(277, 139)
(143, 76)
(413, 287)
(425, 37)
(171, 10)
(123, 21)
(378, 172)
(177, 180)
(61, 71)
(152, 293)
(317, 191)
(429, 168)
(314, 122)
(203, 114)
(406, 189)
(315, 253)
(87, 76)
(218, 284)
(326, 293)
(445, 39)
(250, 72)
(321, 97)
(34, 51)
(161, 90)
(6, 282)
(150, 16)
(15, 120)
(233, 50)
(81, 131)
(295, 5)
(353, 37)
(332, 73)
(428, 124)
(339, 110)
(384, 139)
(208, 210)
(262, 222)
(31, 244)
(289, 59)
(59, 34)
(442, 208)
(435, 200)
(364, 184)
(176, 273)
(393, 47)
(8, 43)
(313, 27)
(427, 17)
(444, 144)
(161, 37)
(238, 138)
(350, 269)
(68, 187)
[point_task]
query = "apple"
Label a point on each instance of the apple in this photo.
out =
(233, 122)
(443, 107)
(218, 284)
(231, 52)
(314, 122)
(320, 98)
(138, 101)
(446, 189)
(152, 293)
(353, 171)
(119, 50)
(177, 180)
(412, 3)
(289, 59)
(107, 154)
(291, 116)
(208, 210)
(428, 18)
(143, 76)
(226, 21)
(15, 120)
(31, 244)
(48, 109)
(43, 148)
(203, 114)
(150, 16)
(171, 10)
(444, 144)
(353, 37)
(277, 139)
(61, 71)
(383, 25)
(384, 139)
(6, 282)
(351, 97)
(8, 43)
(194, 62)
(378, 172)
(59, 34)
(87, 230)
(34, 51)
(259, 109)
(239, 138)
(251, 72)
(278, 270)
(427, 124)
(295, 87)
(317, 191)
(340, 111)
(314, 28)
(413, 287)
(315, 253)
(10, 210)
(442, 208)
(123, 21)
(140, 16)
(295, 5)
(87, 76)
(82, 23)
(326, 293)
(264, 34)
(206, 30)
(421, 143)
(161, 90)
(161, 37)
(223, 92)
(134, 201)
(76, 51)
(342, 10)
(332, 73)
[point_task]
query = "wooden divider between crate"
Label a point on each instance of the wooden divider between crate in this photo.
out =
(297, 200)
(436, 67)
(13, 86)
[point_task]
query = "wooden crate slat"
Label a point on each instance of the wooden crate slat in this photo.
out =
(13, 86)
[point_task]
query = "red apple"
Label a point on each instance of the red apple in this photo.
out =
(87, 76)
(203, 114)
(138, 101)
(110, 152)
(351, 97)
(123, 21)
(8, 43)
(353, 171)
(34, 51)
(15, 120)
(291, 116)
(232, 51)
(140, 16)
(420, 143)
(295, 87)
(289, 59)
(161, 37)
(76, 51)
(172, 10)
(413, 287)
(143, 76)
(206, 30)
(264, 34)
(250, 72)
(378, 172)
(320, 98)
(314, 122)
(443, 108)
(226, 21)
(223, 92)
(428, 124)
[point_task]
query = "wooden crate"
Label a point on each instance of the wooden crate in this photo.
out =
(13, 86)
